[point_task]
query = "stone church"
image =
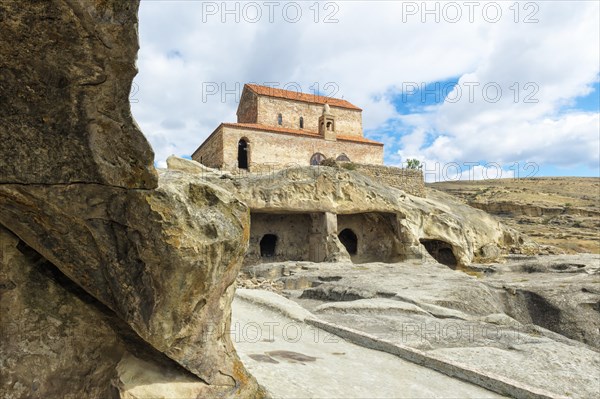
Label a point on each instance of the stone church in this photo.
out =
(279, 128)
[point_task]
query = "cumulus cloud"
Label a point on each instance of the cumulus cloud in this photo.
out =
(194, 60)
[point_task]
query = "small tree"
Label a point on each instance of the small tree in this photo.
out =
(414, 164)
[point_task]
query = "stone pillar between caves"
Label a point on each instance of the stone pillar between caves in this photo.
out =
(323, 225)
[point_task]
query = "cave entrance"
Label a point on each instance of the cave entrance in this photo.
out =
(350, 241)
(267, 245)
(440, 251)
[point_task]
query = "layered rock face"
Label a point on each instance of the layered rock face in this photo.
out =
(157, 254)
(465, 233)
(561, 212)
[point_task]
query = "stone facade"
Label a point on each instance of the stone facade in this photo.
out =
(275, 149)
(309, 209)
(278, 128)
(408, 180)
(210, 152)
(348, 121)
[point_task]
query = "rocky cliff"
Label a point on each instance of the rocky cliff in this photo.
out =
(425, 225)
(112, 276)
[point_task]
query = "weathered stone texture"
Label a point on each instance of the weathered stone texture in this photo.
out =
(407, 180)
(66, 344)
(348, 122)
(482, 324)
(79, 188)
(379, 238)
(54, 344)
(291, 230)
(314, 190)
(163, 260)
(65, 75)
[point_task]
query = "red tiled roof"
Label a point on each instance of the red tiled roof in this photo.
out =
(285, 130)
(304, 97)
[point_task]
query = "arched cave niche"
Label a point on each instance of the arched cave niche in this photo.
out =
(267, 245)
(440, 251)
(349, 240)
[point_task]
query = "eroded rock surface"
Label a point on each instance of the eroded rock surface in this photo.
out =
(164, 260)
(560, 293)
(77, 186)
(469, 234)
(546, 339)
(558, 211)
(53, 343)
(65, 75)
(60, 342)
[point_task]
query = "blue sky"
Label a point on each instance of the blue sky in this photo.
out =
(590, 102)
(518, 89)
(417, 99)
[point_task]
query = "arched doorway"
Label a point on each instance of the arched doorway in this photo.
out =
(343, 158)
(349, 240)
(243, 154)
(268, 244)
(316, 159)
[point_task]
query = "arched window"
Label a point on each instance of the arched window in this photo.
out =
(268, 244)
(349, 240)
(343, 158)
(301, 122)
(243, 154)
(280, 119)
(329, 126)
(317, 158)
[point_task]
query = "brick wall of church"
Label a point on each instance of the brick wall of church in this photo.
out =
(409, 180)
(211, 152)
(248, 109)
(348, 122)
(276, 150)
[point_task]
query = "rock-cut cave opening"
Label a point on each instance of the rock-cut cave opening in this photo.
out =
(440, 251)
(349, 240)
(267, 245)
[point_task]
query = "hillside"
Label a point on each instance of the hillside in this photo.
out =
(559, 211)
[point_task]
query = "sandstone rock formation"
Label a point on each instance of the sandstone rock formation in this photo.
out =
(54, 342)
(60, 342)
(158, 254)
(533, 320)
(470, 234)
(164, 260)
(561, 212)
(65, 75)
(560, 293)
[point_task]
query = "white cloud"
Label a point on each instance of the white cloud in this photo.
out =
(369, 54)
